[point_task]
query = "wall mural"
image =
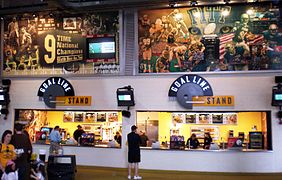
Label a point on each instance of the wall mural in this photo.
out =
(48, 44)
(210, 38)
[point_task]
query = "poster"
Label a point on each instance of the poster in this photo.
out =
(204, 119)
(112, 117)
(178, 117)
(90, 117)
(49, 45)
(78, 116)
(217, 118)
(230, 118)
(210, 38)
(190, 118)
(68, 116)
(101, 117)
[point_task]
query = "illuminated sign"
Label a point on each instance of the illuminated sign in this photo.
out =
(73, 100)
(213, 100)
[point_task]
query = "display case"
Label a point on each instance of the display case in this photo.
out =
(177, 142)
(256, 140)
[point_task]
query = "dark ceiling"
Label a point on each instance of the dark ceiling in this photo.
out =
(22, 6)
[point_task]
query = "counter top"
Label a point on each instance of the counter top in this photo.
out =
(207, 150)
(167, 149)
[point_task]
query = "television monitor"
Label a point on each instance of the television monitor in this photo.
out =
(125, 97)
(101, 48)
(46, 129)
(4, 98)
(276, 97)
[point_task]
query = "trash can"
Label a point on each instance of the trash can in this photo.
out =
(42, 155)
(61, 167)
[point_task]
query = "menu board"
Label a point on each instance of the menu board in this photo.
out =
(229, 118)
(68, 116)
(178, 117)
(90, 117)
(200, 131)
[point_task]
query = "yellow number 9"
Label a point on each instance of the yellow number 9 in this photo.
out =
(49, 44)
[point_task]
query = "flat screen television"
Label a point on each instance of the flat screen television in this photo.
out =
(101, 49)
(276, 97)
(4, 98)
(125, 97)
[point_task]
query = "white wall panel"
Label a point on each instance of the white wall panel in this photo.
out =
(151, 93)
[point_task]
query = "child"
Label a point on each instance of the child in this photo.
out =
(10, 171)
(38, 171)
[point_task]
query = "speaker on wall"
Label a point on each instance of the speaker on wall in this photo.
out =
(126, 114)
(278, 79)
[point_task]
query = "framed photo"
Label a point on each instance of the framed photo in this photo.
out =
(204, 119)
(217, 118)
(78, 116)
(69, 23)
(68, 116)
(112, 117)
(90, 117)
(190, 118)
(178, 117)
(101, 117)
(230, 118)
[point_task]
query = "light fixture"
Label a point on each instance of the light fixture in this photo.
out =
(51, 15)
(193, 3)
(226, 1)
(172, 3)
(225, 13)
(250, 12)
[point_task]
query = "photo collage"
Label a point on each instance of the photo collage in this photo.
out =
(90, 117)
(205, 118)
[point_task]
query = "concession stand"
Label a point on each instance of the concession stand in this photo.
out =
(196, 69)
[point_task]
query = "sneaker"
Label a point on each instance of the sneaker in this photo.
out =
(137, 177)
(128, 177)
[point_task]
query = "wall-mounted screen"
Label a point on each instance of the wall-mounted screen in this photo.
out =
(101, 49)
(276, 97)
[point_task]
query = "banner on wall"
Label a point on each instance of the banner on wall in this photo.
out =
(59, 47)
(49, 45)
(210, 38)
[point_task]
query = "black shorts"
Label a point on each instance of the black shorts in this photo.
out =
(133, 157)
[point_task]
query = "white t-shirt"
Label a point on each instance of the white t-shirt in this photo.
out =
(10, 176)
(40, 176)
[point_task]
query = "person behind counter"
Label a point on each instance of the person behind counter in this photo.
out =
(117, 138)
(192, 142)
(144, 139)
(77, 133)
(207, 140)
(55, 139)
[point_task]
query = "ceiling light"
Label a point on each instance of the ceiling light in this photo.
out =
(226, 1)
(172, 3)
(193, 3)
